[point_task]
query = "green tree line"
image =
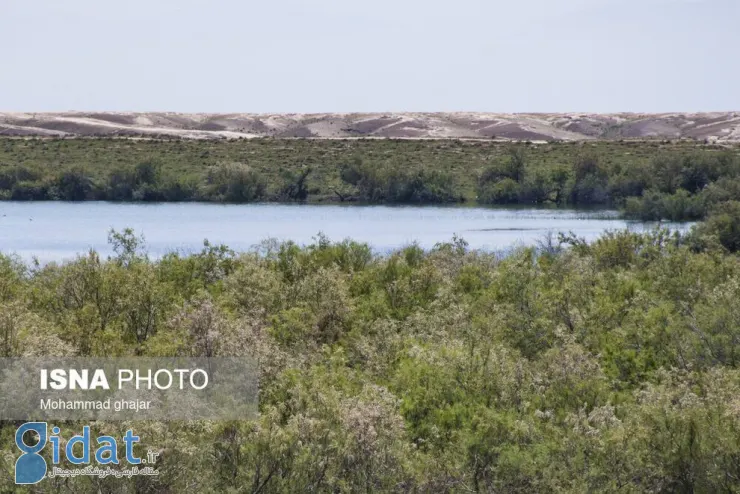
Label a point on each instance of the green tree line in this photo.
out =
(646, 180)
(673, 186)
(145, 182)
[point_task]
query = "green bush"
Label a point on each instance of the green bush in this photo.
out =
(121, 185)
(724, 189)
(654, 205)
(392, 185)
(294, 187)
(12, 175)
(29, 191)
(536, 187)
(425, 187)
(73, 185)
(723, 223)
(505, 191)
(235, 183)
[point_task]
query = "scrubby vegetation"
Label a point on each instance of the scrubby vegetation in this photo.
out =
(647, 180)
(603, 367)
(387, 183)
(672, 185)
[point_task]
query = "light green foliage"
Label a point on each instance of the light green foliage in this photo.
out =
(605, 367)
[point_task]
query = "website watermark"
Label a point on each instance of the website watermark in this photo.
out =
(99, 458)
(51, 391)
(102, 472)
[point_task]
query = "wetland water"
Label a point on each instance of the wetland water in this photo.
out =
(55, 231)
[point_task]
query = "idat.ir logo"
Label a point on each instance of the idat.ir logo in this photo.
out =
(31, 467)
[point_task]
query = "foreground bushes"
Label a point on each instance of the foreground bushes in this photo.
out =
(605, 367)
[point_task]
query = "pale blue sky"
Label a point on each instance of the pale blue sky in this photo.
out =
(380, 55)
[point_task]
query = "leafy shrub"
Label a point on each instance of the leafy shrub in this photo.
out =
(723, 223)
(505, 191)
(389, 184)
(73, 185)
(724, 189)
(654, 205)
(29, 191)
(121, 185)
(294, 187)
(142, 183)
(536, 187)
(234, 183)
(11, 176)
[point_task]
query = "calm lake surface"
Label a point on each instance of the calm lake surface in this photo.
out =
(55, 231)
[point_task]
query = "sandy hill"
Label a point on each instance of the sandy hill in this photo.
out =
(722, 127)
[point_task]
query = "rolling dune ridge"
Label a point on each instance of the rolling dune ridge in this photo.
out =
(720, 126)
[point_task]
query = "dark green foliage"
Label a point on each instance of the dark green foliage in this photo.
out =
(295, 187)
(142, 183)
(723, 223)
(29, 191)
(512, 168)
(391, 184)
(667, 173)
(12, 175)
(648, 179)
(503, 191)
(73, 185)
(234, 183)
(654, 205)
(121, 185)
(590, 182)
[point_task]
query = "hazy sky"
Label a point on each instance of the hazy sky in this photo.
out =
(378, 55)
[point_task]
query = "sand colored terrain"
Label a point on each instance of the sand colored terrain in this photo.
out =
(720, 127)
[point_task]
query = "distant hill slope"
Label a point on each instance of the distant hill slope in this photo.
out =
(723, 126)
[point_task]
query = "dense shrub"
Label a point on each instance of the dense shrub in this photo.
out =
(504, 191)
(72, 185)
(234, 183)
(392, 185)
(654, 205)
(12, 175)
(513, 167)
(121, 185)
(144, 182)
(723, 223)
(178, 190)
(295, 186)
(29, 191)
(604, 367)
(590, 182)
(537, 187)
(647, 179)
(724, 189)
